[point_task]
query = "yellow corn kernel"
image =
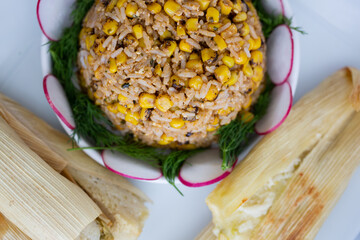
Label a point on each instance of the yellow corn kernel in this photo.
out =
(120, 3)
(216, 121)
(165, 140)
(212, 93)
(119, 127)
(84, 31)
(171, 7)
(228, 61)
(177, 18)
(132, 118)
(225, 21)
(154, 8)
(248, 103)
(169, 47)
(184, 46)
(233, 79)
(214, 26)
(248, 71)
(113, 66)
(257, 44)
(98, 73)
(237, 5)
(122, 109)
(229, 31)
(251, 43)
(258, 74)
(196, 82)
(220, 42)
(225, 112)
(204, 4)
(131, 10)
(222, 74)
(176, 82)
(192, 24)
(242, 58)
(240, 17)
(143, 114)
(121, 58)
(247, 117)
(177, 123)
(96, 95)
(163, 103)
(99, 49)
(194, 56)
(212, 15)
(245, 30)
(180, 30)
(130, 40)
(207, 54)
(90, 59)
(165, 35)
(138, 31)
(142, 43)
(146, 100)
(225, 6)
(158, 70)
(111, 5)
(195, 65)
(122, 98)
(110, 27)
(112, 108)
(256, 56)
(89, 41)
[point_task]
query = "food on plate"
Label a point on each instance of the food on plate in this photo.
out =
(122, 203)
(172, 72)
(314, 158)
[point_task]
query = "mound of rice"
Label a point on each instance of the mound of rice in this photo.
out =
(172, 72)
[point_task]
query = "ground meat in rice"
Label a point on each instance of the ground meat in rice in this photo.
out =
(172, 72)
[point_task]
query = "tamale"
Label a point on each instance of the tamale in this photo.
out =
(264, 173)
(19, 119)
(314, 189)
(37, 199)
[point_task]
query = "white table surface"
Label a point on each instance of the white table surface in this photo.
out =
(332, 42)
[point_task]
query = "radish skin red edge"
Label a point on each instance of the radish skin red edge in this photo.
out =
(156, 175)
(57, 100)
(187, 181)
(278, 50)
(267, 124)
(52, 23)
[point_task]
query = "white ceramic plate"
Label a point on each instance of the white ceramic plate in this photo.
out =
(213, 166)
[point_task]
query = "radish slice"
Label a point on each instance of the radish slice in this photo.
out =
(54, 16)
(280, 54)
(277, 7)
(129, 167)
(57, 100)
(278, 110)
(203, 169)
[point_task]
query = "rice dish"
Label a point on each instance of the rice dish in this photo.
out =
(172, 72)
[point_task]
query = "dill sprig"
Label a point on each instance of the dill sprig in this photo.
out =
(173, 162)
(235, 136)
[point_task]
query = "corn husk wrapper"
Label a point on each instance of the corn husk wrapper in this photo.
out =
(35, 198)
(9, 231)
(21, 121)
(316, 120)
(36, 131)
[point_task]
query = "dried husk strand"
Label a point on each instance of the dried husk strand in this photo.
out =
(9, 231)
(37, 199)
